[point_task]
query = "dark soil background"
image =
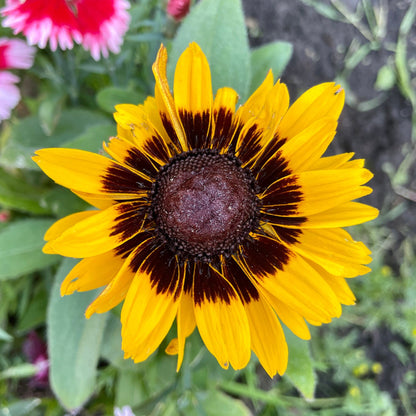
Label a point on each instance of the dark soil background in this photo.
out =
(381, 135)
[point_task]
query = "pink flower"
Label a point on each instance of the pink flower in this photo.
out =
(9, 94)
(15, 53)
(35, 350)
(178, 9)
(4, 215)
(98, 25)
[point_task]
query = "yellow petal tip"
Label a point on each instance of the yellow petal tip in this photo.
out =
(173, 347)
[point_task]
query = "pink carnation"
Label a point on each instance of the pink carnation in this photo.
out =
(98, 25)
(9, 94)
(15, 53)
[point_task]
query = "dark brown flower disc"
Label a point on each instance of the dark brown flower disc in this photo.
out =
(204, 204)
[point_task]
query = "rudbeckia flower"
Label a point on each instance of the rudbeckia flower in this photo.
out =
(227, 220)
(99, 25)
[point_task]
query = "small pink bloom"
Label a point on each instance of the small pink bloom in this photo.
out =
(4, 215)
(36, 353)
(9, 94)
(15, 53)
(99, 25)
(178, 9)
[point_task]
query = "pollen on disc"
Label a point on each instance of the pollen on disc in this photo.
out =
(205, 203)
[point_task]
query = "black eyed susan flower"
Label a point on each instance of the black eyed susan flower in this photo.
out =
(227, 220)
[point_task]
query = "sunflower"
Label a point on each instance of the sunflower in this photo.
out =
(227, 220)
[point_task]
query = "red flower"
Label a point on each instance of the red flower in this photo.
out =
(98, 25)
(178, 9)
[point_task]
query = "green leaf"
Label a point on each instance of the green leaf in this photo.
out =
(109, 97)
(74, 343)
(129, 389)
(20, 408)
(19, 371)
(35, 314)
(273, 56)
(27, 135)
(111, 349)
(50, 111)
(300, 369)
(21, 245)
(93, 137)
(16, 193)
(4, 336)
(386, 78)
(61, 201)
(218, 27)
(216, 403)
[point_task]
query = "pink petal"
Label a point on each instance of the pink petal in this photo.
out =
(15, 53)
(9, 94)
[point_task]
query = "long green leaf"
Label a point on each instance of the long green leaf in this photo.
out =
(74, 343)
(300, 369)
(273, 56)
(27, 135)
(218, 27)
(21, 245)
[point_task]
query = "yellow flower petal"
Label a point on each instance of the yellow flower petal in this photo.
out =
(335, 251)
(101, 232)
(193, 95)
(267, 338)
(350, 213)
(292, 319)
(98, 201)
(256, 101)
(323, 100)
(223, 124)
(186, 324)
(142, 140)
(221, 320)
(82, 171)
(309, 145)
(166, 103)
(289, 278)
(56, 229)
(151, 305)
(322, 190)
(92, 273)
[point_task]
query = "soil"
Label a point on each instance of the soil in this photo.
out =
(382, 135)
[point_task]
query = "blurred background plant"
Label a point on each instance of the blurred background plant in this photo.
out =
(53, 361)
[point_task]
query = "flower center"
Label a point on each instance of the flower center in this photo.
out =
(204, 204)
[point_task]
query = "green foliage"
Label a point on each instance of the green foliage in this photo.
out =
(109, 97)
(20, 248)
(73, 342)
(27, 136)
(273, 56)
(300, 369)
